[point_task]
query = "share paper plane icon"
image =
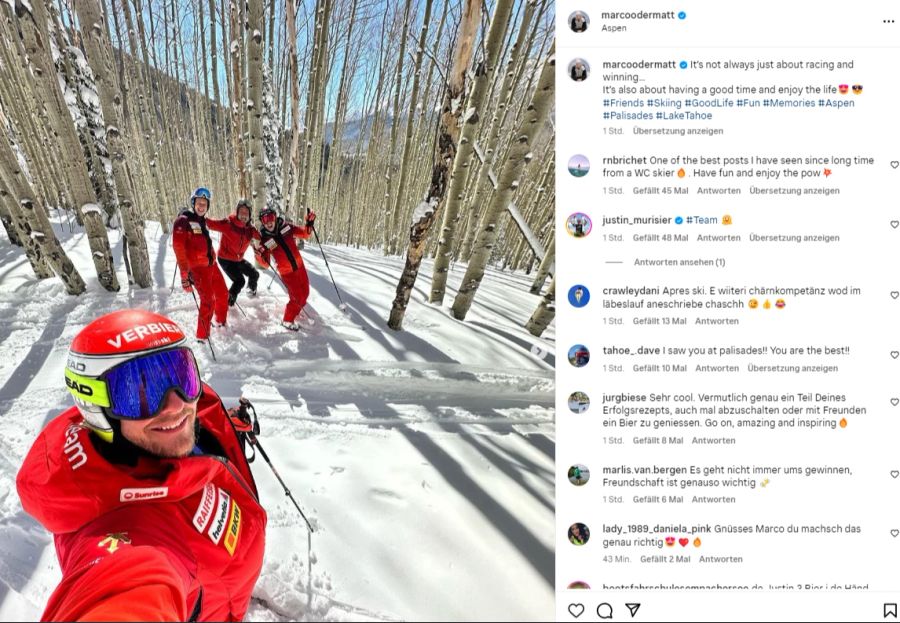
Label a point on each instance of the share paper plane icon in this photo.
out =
(633, 608)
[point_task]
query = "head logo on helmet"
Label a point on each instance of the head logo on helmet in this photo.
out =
(107, 342)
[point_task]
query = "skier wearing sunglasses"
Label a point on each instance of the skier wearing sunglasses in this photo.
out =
(143, 483)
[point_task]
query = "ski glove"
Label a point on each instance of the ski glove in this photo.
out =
(186, 283)
(310, 220)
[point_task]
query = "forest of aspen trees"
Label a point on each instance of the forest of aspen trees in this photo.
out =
(422, 128)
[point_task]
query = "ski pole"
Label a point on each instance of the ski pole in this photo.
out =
(208, 337)
(175, 272)
(251, 437)
(241, 309)
(342, 306)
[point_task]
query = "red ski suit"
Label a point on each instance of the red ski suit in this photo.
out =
(236, 236)
(196, 258)
(160, 540)
(281, 246)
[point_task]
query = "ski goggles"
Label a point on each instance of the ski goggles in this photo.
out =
(268, 217)
(202, 192)
(138, 388)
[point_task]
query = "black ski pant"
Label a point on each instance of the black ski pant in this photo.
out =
(236, 271)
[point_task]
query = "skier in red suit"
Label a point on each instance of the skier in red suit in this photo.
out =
(143, 483)
(277, 242)
(197, 262)
(237, 234)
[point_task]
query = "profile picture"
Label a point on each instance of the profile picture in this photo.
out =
(578, 584)
(579, 296)
(579, 534)
(579, 402)
(579, 355)
(579, 70)
(579, 165)
(579, 21)
(579, 225)
(579, 475)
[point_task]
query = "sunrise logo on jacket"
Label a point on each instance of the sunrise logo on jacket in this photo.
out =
(139, 494)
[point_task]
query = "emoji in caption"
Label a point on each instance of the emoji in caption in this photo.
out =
(844, 89)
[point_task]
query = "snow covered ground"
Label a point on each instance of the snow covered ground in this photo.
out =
(424, 458)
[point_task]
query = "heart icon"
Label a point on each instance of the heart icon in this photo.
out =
(895, 402)
(895, 532)
(895, 354)
(895, 474)
(576, 610)
(894, 164)
(683, 542)
(895, 294)
(895, 224)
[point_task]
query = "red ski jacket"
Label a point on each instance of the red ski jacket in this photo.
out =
(156, 540)
(191, 242)
(281, 246)
(236, 236)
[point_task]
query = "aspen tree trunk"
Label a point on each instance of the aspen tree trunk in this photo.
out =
(214, 62)
(149, 113)
(255, 102)
(203, 51)
(41, 244)
(544, 268)
(405, 164)
(291, 179)
(545, 312)
(445, 152)
(21, 103)
(237, 101)
(389, 236)
(519, 156)
(474, 110)
(315, 108)
(36, 37)
(99, 53)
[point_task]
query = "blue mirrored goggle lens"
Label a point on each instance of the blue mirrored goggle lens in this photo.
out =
(138, 388)
(202, 192)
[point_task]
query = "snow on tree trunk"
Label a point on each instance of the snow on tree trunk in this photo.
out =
(237, 101)
(271, 142)
(508, 182)
(41, 244)
(483, 75)
(36, 37)
(545, 312)
(405, 160)
(99, 52)
(445, 152)
(255, 104)
(544, 269)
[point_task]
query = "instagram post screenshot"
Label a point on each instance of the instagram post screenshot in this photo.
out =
(449, 310)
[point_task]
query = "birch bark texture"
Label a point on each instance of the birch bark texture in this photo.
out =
(445, 153)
